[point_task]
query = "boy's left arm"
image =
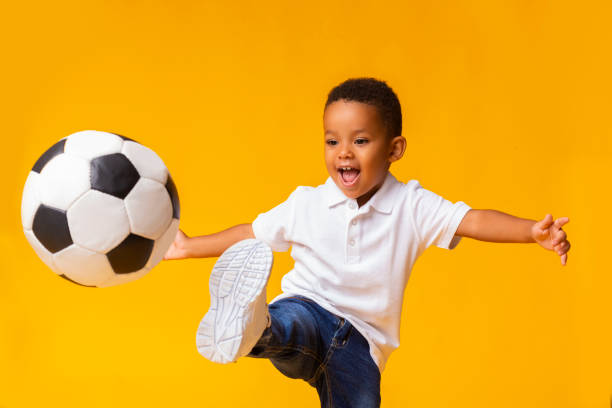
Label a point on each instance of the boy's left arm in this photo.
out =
(496, 226)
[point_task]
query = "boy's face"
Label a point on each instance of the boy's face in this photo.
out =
(355, 138)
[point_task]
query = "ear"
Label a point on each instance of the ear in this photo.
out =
(397, 147)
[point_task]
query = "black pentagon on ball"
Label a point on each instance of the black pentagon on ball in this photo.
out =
(50, 226)
(67, 278)
(176, 207)
(113, 174)
(130, 255)
(51, 152)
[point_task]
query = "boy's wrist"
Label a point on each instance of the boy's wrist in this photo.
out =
(528, 236)
(213, 245)
(188, 248)
(532, 239)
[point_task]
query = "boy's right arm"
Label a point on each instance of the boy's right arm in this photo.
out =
(206, 246)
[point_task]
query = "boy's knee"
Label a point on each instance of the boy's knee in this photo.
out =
(295, 323)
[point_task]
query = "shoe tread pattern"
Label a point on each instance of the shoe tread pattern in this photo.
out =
(237, 279)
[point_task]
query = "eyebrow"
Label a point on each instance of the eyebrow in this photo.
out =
(354, 131)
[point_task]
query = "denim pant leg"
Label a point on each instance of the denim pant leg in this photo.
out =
(292, 342)
(351, 378)
(306, 341)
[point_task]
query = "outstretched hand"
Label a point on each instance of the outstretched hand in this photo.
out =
(178, 248)
(549, 235)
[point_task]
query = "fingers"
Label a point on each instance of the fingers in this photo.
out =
(561, 250)
(541, 229)
(556, 226)
(559, 237)
(559, 222)
(562, 247)
(546, 222)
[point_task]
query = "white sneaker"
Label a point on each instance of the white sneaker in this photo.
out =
(238, 312)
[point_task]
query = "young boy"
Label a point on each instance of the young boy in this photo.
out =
(355, 239)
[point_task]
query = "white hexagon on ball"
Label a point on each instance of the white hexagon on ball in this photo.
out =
(98, 221)
(89, 144)
(149, 208)
(30, 200)
(146, 161)
(63, 180)
(83, 266)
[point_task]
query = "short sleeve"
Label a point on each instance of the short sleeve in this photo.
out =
(274, 227)
(436, 219)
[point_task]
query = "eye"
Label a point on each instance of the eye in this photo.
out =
(331, 142)
(361, 141)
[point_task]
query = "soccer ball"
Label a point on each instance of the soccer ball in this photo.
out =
(100, 209)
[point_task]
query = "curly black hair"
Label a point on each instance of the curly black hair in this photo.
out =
(373, 92)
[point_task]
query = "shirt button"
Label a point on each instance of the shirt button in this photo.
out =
(354, 222)
(352, 205)
(352, 242)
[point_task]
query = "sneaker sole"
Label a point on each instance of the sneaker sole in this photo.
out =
(237, 279)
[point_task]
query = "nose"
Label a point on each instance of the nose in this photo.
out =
(345, 151)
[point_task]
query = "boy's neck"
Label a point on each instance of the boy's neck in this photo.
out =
(366, 197)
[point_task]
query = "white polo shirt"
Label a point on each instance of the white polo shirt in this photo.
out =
(355, 262)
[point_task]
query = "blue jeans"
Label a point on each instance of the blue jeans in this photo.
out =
(307, 342)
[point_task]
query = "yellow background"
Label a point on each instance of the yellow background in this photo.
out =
(506, 105)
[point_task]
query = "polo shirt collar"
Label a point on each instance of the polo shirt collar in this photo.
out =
(381, 201)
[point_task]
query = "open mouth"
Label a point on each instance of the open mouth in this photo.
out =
(348, 175)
